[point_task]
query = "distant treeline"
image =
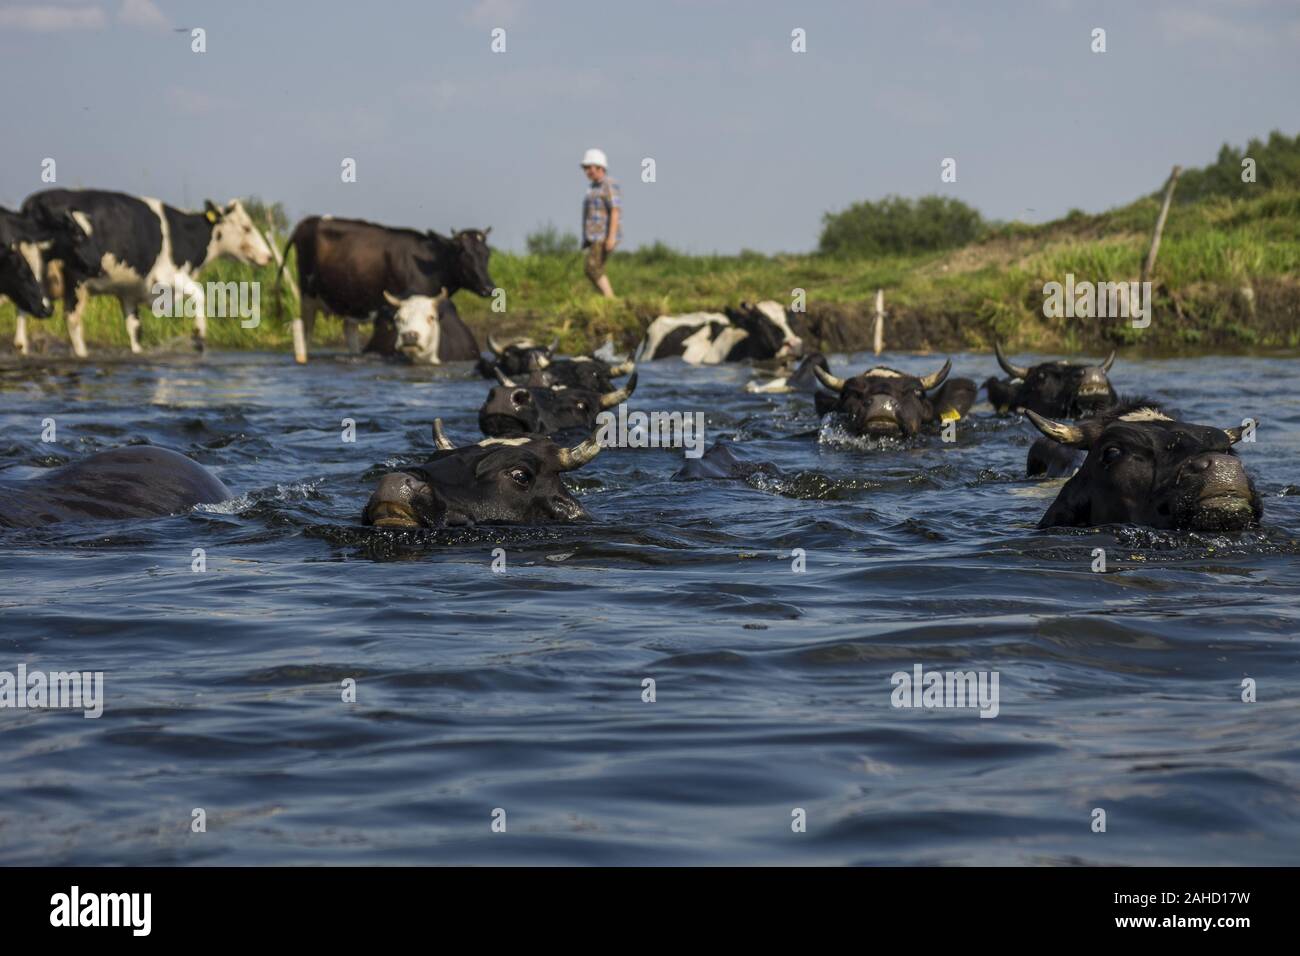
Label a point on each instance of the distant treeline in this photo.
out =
(896, 225)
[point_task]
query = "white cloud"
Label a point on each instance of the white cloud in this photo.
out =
(142, 13)
(52, 18)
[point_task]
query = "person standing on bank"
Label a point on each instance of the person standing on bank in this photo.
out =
(602, 213)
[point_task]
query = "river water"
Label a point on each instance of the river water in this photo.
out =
(519, 695)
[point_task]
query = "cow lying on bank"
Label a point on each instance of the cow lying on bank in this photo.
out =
(351, 268)
(497, 481)
(1144, 468)
(143, 245)
(513, 409)
(759, 331)
(1056, 389)
(886, 403)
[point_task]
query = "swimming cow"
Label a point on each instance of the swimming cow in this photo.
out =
(1055, 389)
(514, 409)
(538, 365)
(497, 481)
(1144, 468)
(886, 403)
(138, 481)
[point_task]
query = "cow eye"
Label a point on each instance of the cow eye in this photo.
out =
(1112, 453)
(520, 476)
(582, 406)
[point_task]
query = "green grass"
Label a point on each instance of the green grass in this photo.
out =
(1211, 249)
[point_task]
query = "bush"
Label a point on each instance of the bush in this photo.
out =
(895, 225)
(1277, 163)
(549, 241)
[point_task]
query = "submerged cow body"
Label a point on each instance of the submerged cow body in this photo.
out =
(497, 481)
(353, 268)
(1145, 468)
(138, 481)
(792, 378)
(759, 331)
(512, 409)
(144, 245)
(886, 403)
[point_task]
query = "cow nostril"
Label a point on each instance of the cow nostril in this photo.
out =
(1199, 464)
(519, 396)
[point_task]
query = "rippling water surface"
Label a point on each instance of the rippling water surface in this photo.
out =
(523, 690)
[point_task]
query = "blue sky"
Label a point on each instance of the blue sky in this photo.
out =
(752, 142)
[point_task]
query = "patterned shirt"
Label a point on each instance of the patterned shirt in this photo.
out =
(598, 205)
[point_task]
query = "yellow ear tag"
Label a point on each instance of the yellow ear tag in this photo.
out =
(950, 415)
(212, 216)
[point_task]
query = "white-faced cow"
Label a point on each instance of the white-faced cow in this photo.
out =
(346, 266)
(25, 247)
(426, 330)
(759, 331)
(145, 245)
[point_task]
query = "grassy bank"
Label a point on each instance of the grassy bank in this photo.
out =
(1227, 277)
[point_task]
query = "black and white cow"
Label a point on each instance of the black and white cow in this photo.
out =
(759, 331)
(349, 266)
(145, 245)
(25, 247)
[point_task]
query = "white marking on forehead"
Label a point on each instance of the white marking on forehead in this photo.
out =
(1145, 415)
(31, 253)
(881, 372)
(503, 441)
(775, 311)
(81, 220)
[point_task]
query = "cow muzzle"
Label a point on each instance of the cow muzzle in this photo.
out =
(880, 418)
(392, 504)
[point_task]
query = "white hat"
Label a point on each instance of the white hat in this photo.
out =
(595, 157)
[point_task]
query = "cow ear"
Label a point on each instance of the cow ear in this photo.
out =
(442, 294)
(487, 232)
(211, 211)
(391, 299)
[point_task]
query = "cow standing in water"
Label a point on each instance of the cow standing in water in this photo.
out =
(759, 331)
(144, 244)
(355, 269)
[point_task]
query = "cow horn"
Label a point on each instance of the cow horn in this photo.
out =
(622, 368)
(1071, 435)
(555, 344)
(619, 395)
(1234, 434)
(494, 346)
(503, 378)
(440, 437)
(578, 455)
(935, 380)
(392, 300)
(1110, 360)
(829, 380)
(1015, 371)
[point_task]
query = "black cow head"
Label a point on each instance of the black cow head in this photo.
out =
(883, 402)
(73, 243)
(1145, 468)
(514, 409)
(521, 357)
(498, 481)
(19, 282)
(1059, 389)
(770, 334)
(587, 372)
(469, 254)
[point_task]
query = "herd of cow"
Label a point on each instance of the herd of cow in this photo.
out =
(1130, 461)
